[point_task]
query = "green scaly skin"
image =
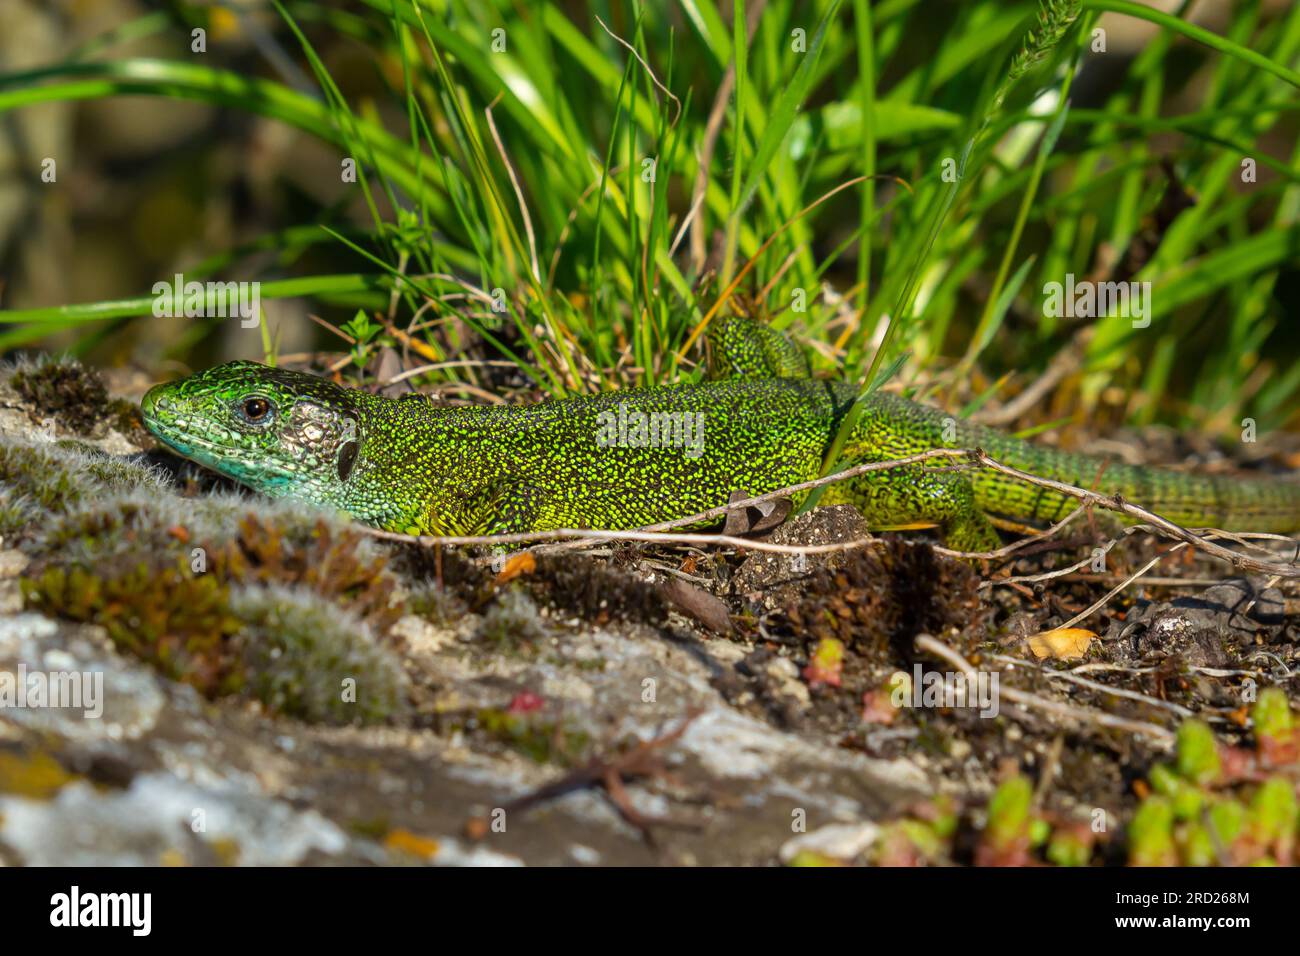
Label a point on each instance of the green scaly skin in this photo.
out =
(407, 465)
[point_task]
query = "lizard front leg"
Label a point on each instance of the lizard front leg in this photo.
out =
(912, 496)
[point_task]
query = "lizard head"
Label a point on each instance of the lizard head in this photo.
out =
(279, 432)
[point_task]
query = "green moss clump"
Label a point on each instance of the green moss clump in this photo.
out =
(513, 621)
(288, 647)
(183, 584)
(309, 659)
(72, 394)
(539, 738)
(41, 477)
(337, 562)
(41, 480)
(176, 621)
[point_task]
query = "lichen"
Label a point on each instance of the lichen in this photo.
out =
(35, 775)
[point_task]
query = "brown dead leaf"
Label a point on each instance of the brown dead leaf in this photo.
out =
(1062, 644)
(701, 605)
(756, 519)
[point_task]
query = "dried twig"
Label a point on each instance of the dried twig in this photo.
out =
(1073, 678)
(712, 127)
(1062, 364)
(1157, 734)
(610, 774)
(1105, 598)
(677, 104)
(519, 193)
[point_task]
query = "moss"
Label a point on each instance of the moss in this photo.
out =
(117, 530)
(315, 661)
(17, 512)
(158, 573)
(338, 563)
(41, 475)
(879, 599)
(537, 737)
(435, 603)
(179, 622)
(65, 389)
(195, 630)
(513, 621)
(73, 395)
(41, 480)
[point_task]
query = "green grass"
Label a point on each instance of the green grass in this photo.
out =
(560, 170)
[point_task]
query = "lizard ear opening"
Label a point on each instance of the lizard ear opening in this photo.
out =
(347, 458)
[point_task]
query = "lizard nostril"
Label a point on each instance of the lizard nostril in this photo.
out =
(157, 402)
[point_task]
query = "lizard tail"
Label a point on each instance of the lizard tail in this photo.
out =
(1228, 502)
(894, 427)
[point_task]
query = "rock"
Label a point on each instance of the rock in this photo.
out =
(1198, 627)
(840, 841)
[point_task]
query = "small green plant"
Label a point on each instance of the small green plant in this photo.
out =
(364, 335)
(540, 738)
(1223, 805)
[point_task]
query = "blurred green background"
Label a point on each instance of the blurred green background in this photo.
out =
(553, 152)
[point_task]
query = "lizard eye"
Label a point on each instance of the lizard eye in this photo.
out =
(256, 410)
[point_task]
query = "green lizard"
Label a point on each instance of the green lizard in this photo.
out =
(625, 459)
